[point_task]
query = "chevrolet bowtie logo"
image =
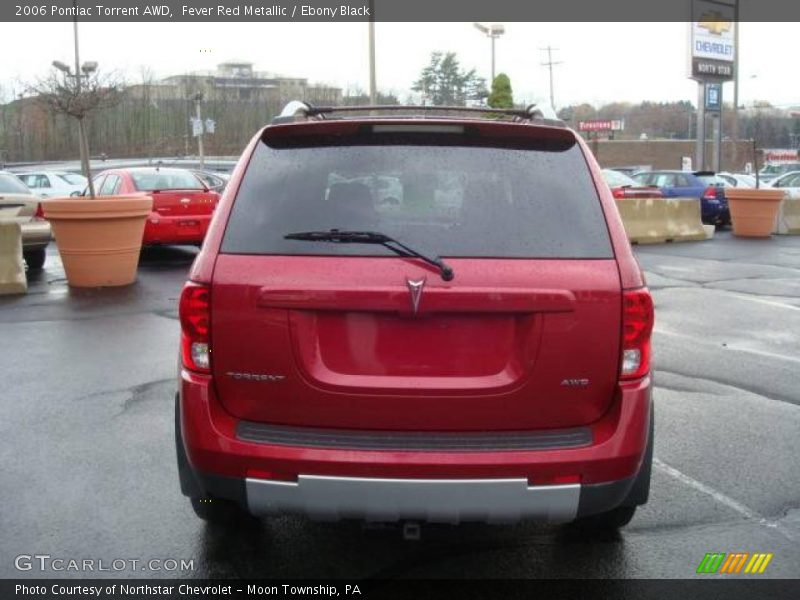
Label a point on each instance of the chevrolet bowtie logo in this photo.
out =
(712, 21)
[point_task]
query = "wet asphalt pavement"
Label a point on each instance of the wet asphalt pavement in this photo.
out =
(87, 467)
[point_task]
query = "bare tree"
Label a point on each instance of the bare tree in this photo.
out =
(78, 96)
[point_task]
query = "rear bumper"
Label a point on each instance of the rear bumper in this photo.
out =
(36, 234)
(159, 229)
(550, 484)
(433, 500)
(715, 212)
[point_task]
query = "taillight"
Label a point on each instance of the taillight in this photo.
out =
(618, 192)
(637, 325)
(39, 214)
(710, 193)
(195, 314)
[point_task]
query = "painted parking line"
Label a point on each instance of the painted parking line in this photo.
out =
(736, 506)
(699, 340)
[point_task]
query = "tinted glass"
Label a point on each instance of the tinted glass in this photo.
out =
(148, 180)
(9, 184)
(451, 200)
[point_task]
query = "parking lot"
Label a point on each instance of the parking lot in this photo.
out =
(87, 458)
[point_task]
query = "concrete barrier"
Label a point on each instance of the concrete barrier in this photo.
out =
(658, 220)
(12, 267)
(788, 221)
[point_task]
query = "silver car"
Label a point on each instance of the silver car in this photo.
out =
(19, 203)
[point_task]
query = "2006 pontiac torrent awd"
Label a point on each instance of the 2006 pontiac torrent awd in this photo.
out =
(420, 315)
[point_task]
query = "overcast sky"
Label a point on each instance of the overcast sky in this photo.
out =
(601, 62)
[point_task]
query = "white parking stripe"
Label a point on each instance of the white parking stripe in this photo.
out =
(745, 511)
(762, 300)
(700, 340)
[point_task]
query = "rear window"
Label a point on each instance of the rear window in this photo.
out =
(617, 179)
(711, 180)
(73, 179)
(10, 184)
(433, 192)
(165, 179)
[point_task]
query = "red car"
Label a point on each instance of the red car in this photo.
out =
(477, 349)
(182, 204)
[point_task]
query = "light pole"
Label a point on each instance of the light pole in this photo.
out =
(373, 90)
(198, 98)
(493, 31)
(81, 71)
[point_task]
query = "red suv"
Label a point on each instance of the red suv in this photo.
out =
(433, 317)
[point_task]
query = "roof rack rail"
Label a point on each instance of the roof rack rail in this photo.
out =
(299, 111)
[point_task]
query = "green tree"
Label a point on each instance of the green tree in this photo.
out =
(501, 95)
(444, 83)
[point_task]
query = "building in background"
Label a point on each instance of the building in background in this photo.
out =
(154, 118)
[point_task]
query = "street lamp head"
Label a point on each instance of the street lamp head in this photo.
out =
(61, 66)
(89, 67)
(493, 30)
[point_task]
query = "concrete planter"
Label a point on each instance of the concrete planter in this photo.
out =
(99, 239)
(753, 211)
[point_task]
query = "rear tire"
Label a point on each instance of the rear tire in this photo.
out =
(208, 508)
(220, 512)
(607, 521)
(638, 495)
(35, 259)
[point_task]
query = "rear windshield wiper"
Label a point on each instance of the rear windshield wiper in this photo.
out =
(371, 237)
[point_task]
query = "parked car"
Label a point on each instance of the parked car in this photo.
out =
(212, 180)
(741, 180)
(344, 357)
(632, 169)
(775, 170)
(54, 184)
(704, 185)
(789, 182)
(623, 186)
(19, 203)
(182, 204)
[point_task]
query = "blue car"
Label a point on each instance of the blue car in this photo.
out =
(704, 185)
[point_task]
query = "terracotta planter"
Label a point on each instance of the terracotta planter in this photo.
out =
(753, 211)
(99, 239)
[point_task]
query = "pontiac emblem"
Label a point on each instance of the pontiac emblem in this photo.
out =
(415, 288)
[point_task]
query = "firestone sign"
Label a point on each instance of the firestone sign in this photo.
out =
(712, 49)
(615, 125)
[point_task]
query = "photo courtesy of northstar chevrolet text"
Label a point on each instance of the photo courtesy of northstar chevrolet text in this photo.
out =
(385, 299)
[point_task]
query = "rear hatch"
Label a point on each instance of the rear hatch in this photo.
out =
(184, 203)
(326, 334)
(175, 192)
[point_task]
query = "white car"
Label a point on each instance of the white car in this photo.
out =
(789, 182)
(740, 180)
(53, 184)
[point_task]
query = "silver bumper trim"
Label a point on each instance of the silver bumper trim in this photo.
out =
(433, 500)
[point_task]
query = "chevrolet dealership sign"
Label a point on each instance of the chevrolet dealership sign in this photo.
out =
(712, 47)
